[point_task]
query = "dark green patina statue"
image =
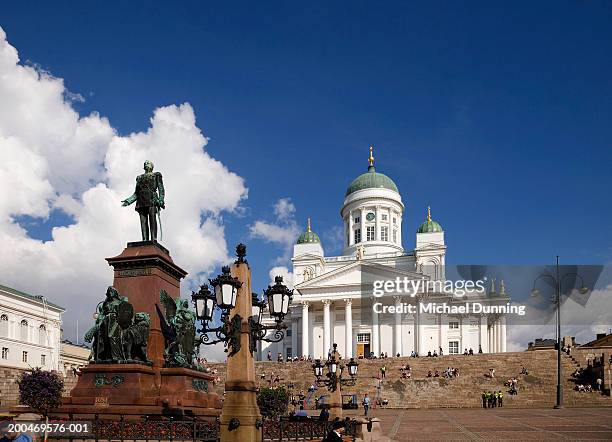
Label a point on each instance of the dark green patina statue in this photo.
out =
(149, 198)
(178, 328)
(118, 336)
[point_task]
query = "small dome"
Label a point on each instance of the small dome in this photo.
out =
(308, 237)
(429, 226)
(371, 180)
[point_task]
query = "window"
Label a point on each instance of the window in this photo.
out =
(43, 359)
(42, 335)
(384, 233)
(357, 219)
(24, 356)
(394, 236)
(357, 235)
(394, 220)
(453, 347)
(363, 338)
(370, 235)
(289, 333)
(4, 326)
(4, 353)
(453, 324)
(24, 330)
(384, 217)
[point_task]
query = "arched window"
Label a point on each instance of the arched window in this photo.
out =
(4, 326)
(24, 330)
(42, 335)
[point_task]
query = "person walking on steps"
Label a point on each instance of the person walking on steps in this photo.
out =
(366, 405)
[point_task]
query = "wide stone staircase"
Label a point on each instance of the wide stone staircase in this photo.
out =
(537, 389)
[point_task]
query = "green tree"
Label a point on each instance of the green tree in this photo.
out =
(273, 402)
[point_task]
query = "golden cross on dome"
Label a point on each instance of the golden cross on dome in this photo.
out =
(371, 159)
(308, 228)
(428, 213)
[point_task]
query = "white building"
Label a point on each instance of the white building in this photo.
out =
(333, 296)
(73, 356)
(30, 330)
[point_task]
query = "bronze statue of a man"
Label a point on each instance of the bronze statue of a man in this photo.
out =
(149, 197)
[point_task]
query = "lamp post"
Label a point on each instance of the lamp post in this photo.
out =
(240, 328)
(279, 298)
(334, 380)
(557, 281)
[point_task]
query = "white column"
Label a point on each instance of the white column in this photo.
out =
(489, 337)
(375, 340)
(444, 334)
(377, 228)
(422, 350)
(415, 332)
(305, 329)
(461, 335)
(503, 334)
(399, 228)
(348, 328)
(363, 224)
(398, 327)
(495, 337)
(439, 344)
(499, 340)
(326, 327)
(482, 340)
(294, 341)
(351, 229)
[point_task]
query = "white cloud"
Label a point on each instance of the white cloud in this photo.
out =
(53, 158)
(284, 209)
(283, 235)
(284, 272)
(283, 231)
(582, 322)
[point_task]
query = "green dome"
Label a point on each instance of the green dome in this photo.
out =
(371, 180)
(308, 236)
(429, 226)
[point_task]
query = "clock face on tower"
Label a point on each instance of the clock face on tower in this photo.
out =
(370, 216)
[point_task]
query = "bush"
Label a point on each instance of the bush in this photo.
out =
(41, 390)
(273, 402)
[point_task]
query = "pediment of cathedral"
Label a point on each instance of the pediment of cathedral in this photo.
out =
(307, 257)
(356, 274)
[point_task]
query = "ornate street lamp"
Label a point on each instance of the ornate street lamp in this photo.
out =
(558, 281)
(226, 288)
(204, 302)
(279, 299)
(352, 367)
(332, 364)
(317, 367)
(257, 308)
(225, 294)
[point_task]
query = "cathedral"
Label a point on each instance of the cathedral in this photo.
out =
(334, 301)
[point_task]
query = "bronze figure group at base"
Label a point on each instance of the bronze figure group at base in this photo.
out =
(118, 335)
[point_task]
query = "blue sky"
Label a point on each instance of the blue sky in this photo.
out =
(498, 116)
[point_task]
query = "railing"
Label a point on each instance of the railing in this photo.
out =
(368, 256)
(288, 429)
(150, 428)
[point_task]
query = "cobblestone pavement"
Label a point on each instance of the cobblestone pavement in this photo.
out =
(497, 424)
